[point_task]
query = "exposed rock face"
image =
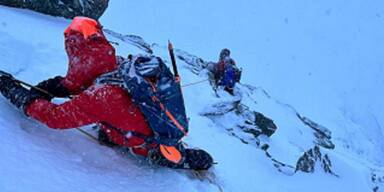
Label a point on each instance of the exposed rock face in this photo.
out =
(65, 8)
(308, 161)
(253, 127)
(256, 123)
(322, 134)
(250, 122)
(377, 178)
(222, 108)
(134, 40)
(195, 64)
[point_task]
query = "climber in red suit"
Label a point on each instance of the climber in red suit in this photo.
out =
(121, 121)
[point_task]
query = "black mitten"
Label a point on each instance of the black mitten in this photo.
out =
(54, 87)
(15, 93)
(104, 139)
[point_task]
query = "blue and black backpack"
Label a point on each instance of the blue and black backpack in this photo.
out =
(158, 94)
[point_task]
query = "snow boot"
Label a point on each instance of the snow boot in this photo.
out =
(198, 159)
(195, 159)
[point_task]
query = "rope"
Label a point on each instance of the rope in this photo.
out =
(87, 134)
(195, 83)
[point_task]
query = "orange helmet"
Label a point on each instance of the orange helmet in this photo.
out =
(85, 26)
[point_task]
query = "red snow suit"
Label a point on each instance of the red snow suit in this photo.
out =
(91, 55)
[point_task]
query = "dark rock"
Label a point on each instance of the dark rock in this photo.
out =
(221, 108)
(377, 178)
(134, 40)
(265, 147)
(65, 8)
(250, 124)
(322, 134)
(308, 161)
(194, 63)
(255, 123)
(265, 124)
(280, 166)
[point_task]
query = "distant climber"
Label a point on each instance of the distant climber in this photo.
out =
(225, 74)
(136, 102)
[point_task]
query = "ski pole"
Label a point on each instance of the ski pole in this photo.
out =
(87, 134)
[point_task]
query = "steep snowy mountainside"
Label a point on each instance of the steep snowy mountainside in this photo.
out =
(27, 43)
(296, 134)
(39, 159)
(36, 158)
(323, 57)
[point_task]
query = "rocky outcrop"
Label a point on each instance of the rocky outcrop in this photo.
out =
(194, 64)
(322, 134)
(252, 127)
(133, 40)
(377, 178)
(256, 123)
(250, 123)
(64, 8)
(314, 158)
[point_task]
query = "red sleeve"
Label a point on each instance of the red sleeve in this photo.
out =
(106, 103)
(67, 115)
(91, 106)
(102, 103)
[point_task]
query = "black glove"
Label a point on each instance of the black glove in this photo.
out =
(15, 93)
(4, 80)
(54, 87)
(104, 139)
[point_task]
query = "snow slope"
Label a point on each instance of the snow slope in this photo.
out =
(301, 67)
(39, 159)
(330, 48)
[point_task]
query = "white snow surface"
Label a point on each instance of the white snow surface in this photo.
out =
(321, 59)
